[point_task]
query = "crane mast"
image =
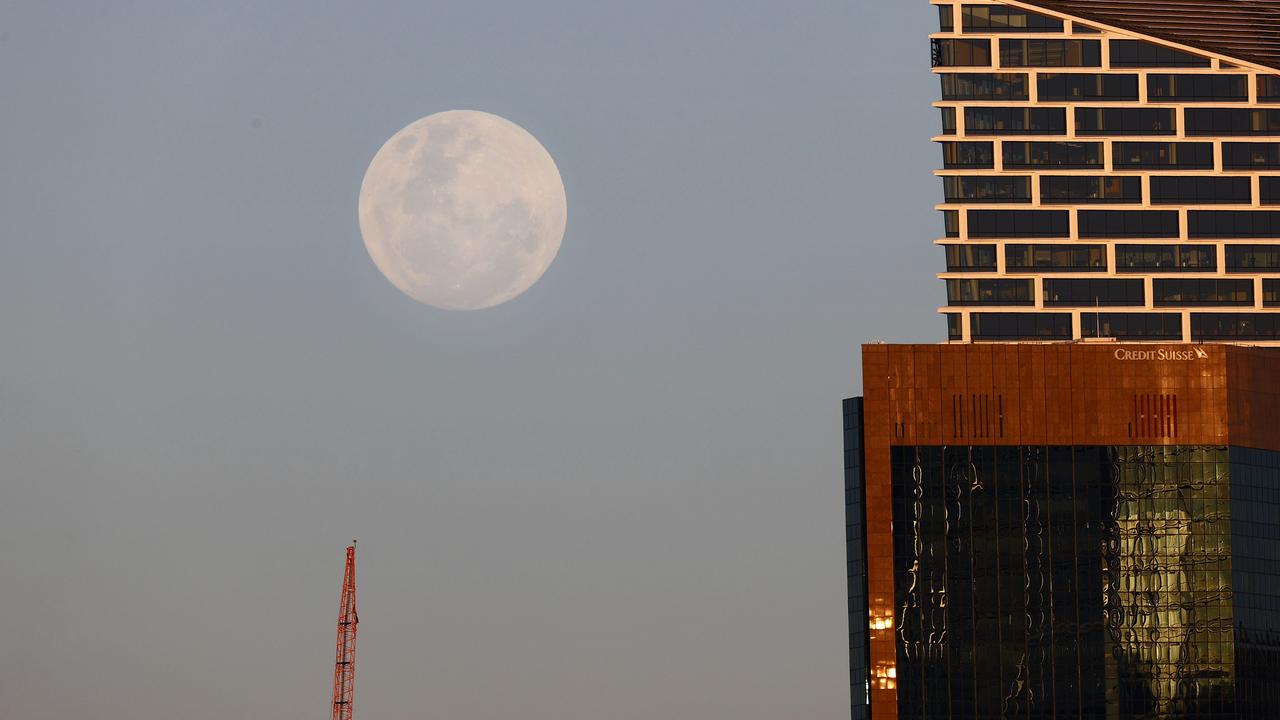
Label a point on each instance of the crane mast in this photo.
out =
(344, 668)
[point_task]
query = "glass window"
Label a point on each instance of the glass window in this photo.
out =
(1071, 87)
(1093, 292)
(1058, 189)
(1248, 156)
(1055, 258)
(968, 155)
(961, 53)
(1200, 190)
(1158, 155)
(984, 86)
(1135, 53)
(995, 291)
(1050, 53)
(1015, 121)
(1253, 258)
(1271, 292)
(987, 188)
(1064, 155)
(1079, 29)
(971, 258)
(1020, 326)
(1202, 291)
(1001, 18)
(1132, 326)
(1125, 121)
(955, 324)
(1232, 121)
(1166, 258)
(1234, 223)
(1270, 185)
(951, 222)
(948, 121)
(1197, 88)
(946, 18)
(1020, 223)
(1235, 326)
(1269, 88)
(1128, 223)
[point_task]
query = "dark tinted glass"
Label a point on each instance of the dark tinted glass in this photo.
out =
(1019, 223)
(1270, 292)
(1132, 326)
(946, 18)
(1128, 223)
(1020, 326)
(1050, 53)
(1234, 224)
(1156, 155)
(1246, 156)
(1086, 86)
(1092, 292)
(1269, 88)
(1090, 189)
(984, 86)
(995, 291)
(1055, 258)
(1253, 258)
(1201, 291)
(960, 53)
(987, 188)
(971, 258)
(967, 155)
(1135, 53)
(1015, 121)
(1166, 258)
(1195, 88)
(951, 222)
(1235, 326)
(1200, 190)
(1000, 18)
(955, 323)
(1232, 121)
(1020, 155)
(948, 121)
(1270, 190)
(1125, 121)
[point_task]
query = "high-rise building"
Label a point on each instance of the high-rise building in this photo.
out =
(1071, 508)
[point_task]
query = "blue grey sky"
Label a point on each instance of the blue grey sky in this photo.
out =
(617, 496)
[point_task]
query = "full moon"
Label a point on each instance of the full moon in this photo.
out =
(462, 210)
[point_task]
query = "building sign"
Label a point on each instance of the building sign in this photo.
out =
(1162, 354)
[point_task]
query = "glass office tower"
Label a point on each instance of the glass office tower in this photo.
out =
(1071, 508)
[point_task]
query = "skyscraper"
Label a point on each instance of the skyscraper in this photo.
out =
(1072, 507)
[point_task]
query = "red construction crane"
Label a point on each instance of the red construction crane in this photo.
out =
(344, 668)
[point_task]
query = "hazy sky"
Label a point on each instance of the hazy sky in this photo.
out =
(617, 497)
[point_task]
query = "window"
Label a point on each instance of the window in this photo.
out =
(967, 155)
(1166, 258)
(971, 258)
(1125, 121)
(1195, 88)
(1079, 29)
(1050, 53)
(1132, 326)
(1235, 326)
(1019, 223)
(1057, 189)
(996, 291)
(959, 53)
(1270, 185)
(1086, 86)
(1201, 291)
(955, 324)
(1063, 155)
(1253, 258)
(1135, 53)
(1269, 88)
(1200, 190)
(1270, 292)
(987, 188)
(1015, 121)
(1249, 156)
(1020, 326)
(1092, 292)
(1000, 18)
(951, 222)
(1128, 223)
(1162, 155)
(1232, 121)
(1234, 223)
(946, 18)
(984, 86)
(1055, 258)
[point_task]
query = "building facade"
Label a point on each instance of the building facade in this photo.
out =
(1071, 508)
